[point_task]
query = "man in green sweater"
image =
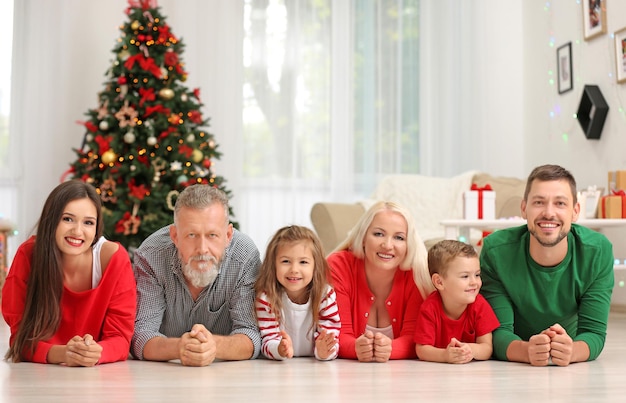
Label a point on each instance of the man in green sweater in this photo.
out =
(549, 281)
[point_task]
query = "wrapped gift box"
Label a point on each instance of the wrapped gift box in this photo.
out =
(479, 203)
(588, 200)
(617, 180)
(613, 206)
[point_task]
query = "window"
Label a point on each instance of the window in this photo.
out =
(330, 100)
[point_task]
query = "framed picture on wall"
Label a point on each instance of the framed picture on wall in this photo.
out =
(620, 55)
(564, 67)
(594, 18)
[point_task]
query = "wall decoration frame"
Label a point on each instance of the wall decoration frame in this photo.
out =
(564, 68)
(620, 55)
(592, 112)
(594, 18)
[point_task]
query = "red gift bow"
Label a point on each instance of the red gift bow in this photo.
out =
(480, 197)
(622, 195)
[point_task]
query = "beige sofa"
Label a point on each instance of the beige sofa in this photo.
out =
(430, 199)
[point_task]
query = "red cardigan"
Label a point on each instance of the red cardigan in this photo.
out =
(354, 300)
(107, 312)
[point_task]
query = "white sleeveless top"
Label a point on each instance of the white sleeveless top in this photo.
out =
(96, 267)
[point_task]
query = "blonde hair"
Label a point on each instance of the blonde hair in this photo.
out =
(416, 254)
(268, 283)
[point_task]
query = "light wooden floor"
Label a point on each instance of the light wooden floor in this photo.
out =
(303, 379)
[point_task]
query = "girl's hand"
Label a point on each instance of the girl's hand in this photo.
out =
(82, 352)
(285, 348)
(325, 344)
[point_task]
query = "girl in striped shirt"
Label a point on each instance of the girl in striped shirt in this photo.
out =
(295, 305)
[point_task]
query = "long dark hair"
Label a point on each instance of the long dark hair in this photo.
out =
(42, 308)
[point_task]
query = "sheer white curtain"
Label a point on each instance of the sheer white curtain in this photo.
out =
(472, 68)
(330, 104)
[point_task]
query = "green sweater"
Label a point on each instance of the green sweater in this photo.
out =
(528, 298)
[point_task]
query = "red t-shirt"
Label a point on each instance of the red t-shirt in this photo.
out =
(436, 329)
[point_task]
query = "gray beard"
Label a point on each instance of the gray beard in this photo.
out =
(201, 278)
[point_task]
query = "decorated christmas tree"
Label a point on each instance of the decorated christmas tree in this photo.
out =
(147, 139)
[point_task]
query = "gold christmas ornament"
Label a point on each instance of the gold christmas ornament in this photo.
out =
(123, 55)
(108, 156)
(166, 94)
(197, 156)
(135, 25)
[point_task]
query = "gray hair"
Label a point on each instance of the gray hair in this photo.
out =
(201, 196)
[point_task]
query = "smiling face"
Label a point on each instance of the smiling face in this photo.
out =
(76, 231)
(459, 285)
(294, 269)
(550, 210)
(385, 241)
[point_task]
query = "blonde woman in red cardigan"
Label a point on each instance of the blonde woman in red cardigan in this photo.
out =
(380, 275)
(70, 296)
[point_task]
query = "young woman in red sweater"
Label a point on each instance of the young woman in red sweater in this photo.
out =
(70, 296)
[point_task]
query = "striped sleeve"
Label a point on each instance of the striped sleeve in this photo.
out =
(269, 328)
(329, 319)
